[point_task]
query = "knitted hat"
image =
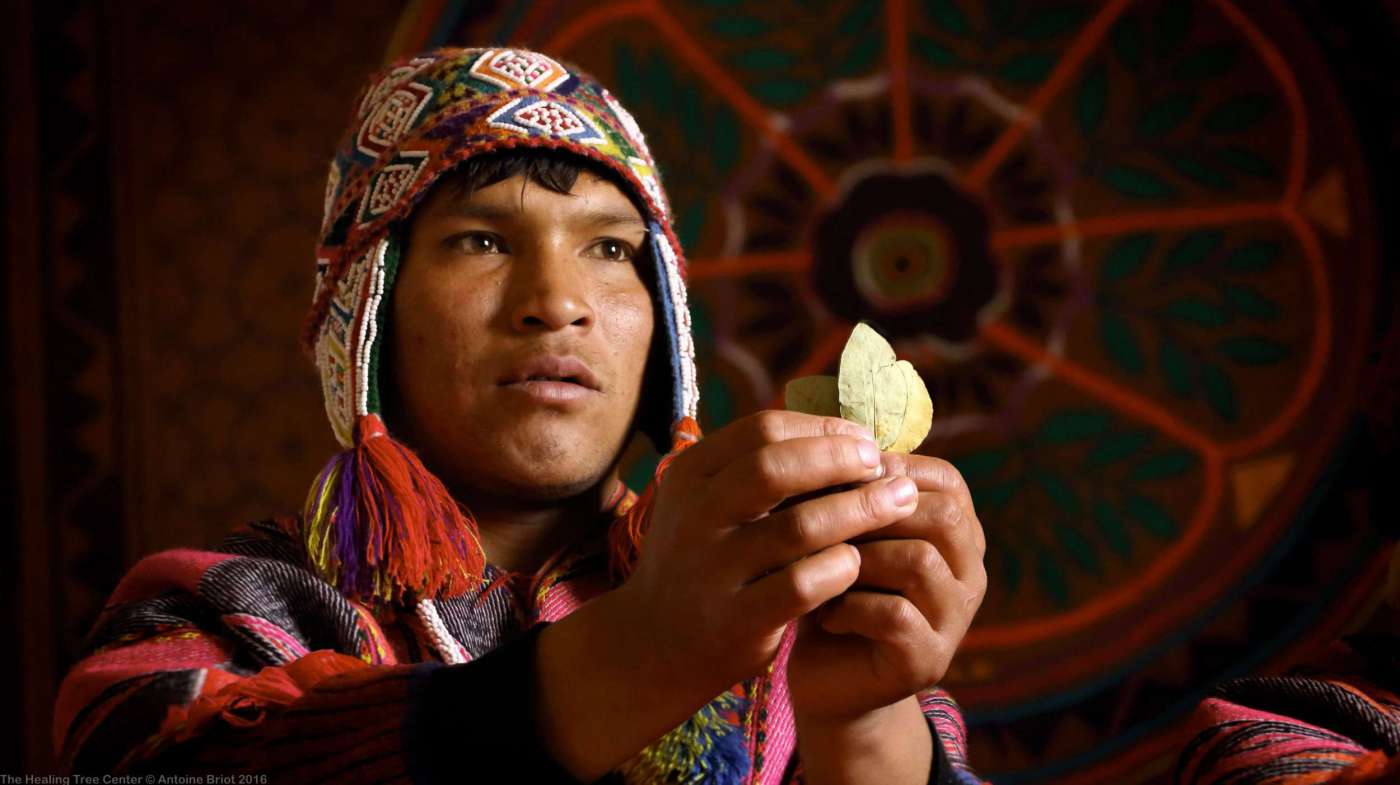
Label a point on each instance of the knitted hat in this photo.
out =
(377, 523)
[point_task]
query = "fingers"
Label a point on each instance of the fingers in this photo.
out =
(759, 480)
(916, 570)
(723, 447)
(909, 651)
(947, 524)
(799, 588)
(790, 534)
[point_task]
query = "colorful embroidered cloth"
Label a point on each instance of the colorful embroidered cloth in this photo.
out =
(243, 659)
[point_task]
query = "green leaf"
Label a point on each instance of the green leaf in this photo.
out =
(1247, 302)
(1072, 425)
(979, 463)
(1151, 515)
(861, 57)
(1201, 313)
(1092, 100)
(1176, 366)
(1254, 257)
(1029, 68)
(1115, 447)
(1167, 114)
(1219, 391)
(1060, 493)
(1080, 550)
(780, 92)
(858, 18)
(1126, 257)
(1051, 578)
(1237, 114)
(1134, 181)
(1126, 40)
(1253, 350)
(1247, 162)
(936, 53)
(764, 59)
(730, 26)
(1170, 27)
(724, 140)
(1206, 63)
(947, 15)
(1050, 22)
(1192, 169)
(1190, 251)
(1110, 526)
(1164, 466)
(1119, 341)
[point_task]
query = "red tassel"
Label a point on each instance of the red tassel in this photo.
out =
(625, 536)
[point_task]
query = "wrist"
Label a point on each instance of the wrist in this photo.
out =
(891, 744)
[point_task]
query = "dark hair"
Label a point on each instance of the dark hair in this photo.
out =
(557, 170)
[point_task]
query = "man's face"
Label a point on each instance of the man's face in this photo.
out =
(520, 334)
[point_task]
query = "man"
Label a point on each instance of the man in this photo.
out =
(477, 596)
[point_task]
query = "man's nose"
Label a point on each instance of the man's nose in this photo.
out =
(551, 292)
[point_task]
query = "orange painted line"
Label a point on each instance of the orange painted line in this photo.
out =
(826, 350)
(1181, 218)
(1317, 351)
(749, 109)
(584, 24)
(1278, 66)
(1065, 70)
(897, 47)
(746, 264)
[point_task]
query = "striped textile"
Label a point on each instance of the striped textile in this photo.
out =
(243, 659)
(1336, 722)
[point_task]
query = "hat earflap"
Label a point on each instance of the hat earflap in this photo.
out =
(377, 524)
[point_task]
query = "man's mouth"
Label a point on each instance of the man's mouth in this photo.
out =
(553, 376)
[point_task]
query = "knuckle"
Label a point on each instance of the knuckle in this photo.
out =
(925, 561)
(802, 527)
(770, 426)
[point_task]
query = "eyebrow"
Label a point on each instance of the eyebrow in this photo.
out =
(488, 212)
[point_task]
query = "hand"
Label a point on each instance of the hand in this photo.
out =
(722, 572)
(921, 582)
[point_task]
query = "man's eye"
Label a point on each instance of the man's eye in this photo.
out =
(479, 243)
(612, 250)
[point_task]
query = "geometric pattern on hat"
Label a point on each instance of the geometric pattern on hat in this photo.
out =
(416, 121)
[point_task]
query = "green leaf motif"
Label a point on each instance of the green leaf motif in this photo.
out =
(691, 116)
(724, 140)
(1253, 350)
(629, 82)
(1151, 516)
(1255, 257)
(858, 18)
(764, 59)
(1120, 343)
(996, 496)
(1116, 447)
(1247, 162)
(1219, 391)
(947, 15)
(1164, 466)
(1007, 565)
(739, 26)
(661, 86)
(1192, 169)
(1170, 27)
(1247, 302)
(979, 463)
(1029, 68)
(1060, 492)
(1092, 100)
(1237, 114)
(936, 53)
(1138, 182)
(1126, 257)
(691, 223)
(1167, 114)
(1206, 63)
(1079, 549)
(1201, 313)
(861, 57)
(1126, 40)
(1176, 366)
(1111, 528)
(1051, 22)
(1051, 578)
(1190, 251)
(1073, 425)
(780, 92)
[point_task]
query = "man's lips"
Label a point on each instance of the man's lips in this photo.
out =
(552, 369)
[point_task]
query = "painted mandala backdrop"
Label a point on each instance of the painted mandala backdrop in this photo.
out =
(1127, 244)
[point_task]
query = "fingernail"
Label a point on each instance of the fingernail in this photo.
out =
(865, 433)
(902, 491)
(869, 452)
